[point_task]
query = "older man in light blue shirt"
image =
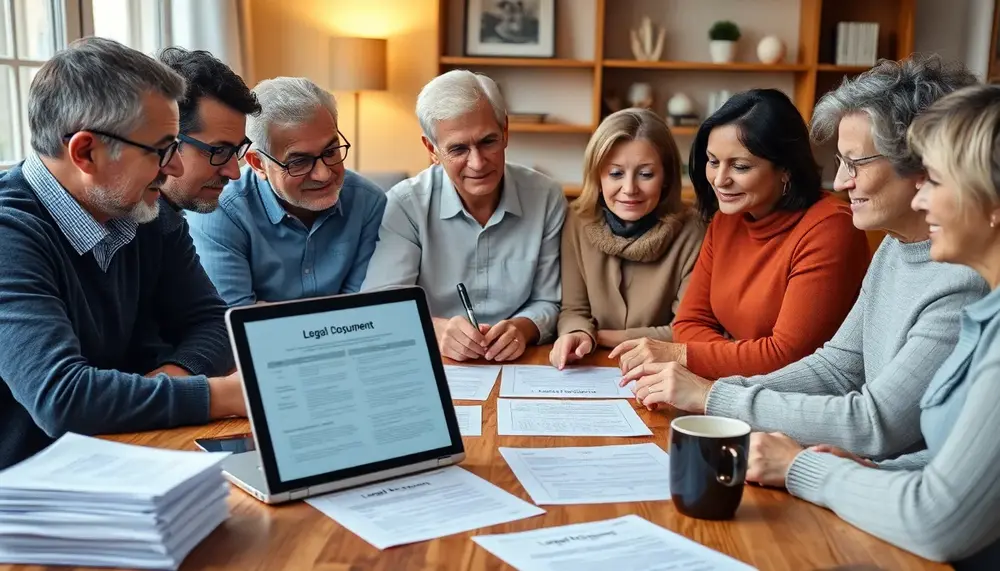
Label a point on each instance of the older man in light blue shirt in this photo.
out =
(296, 223)
(472, 218)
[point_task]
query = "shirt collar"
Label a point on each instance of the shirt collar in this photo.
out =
(82, 230)
(451, 202)
(986, 308)
(276, 212)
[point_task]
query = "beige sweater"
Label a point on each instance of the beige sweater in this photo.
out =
(609, 282)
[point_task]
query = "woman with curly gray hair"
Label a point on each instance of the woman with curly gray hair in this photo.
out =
(860, 391)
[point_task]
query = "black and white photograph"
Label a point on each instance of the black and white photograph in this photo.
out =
(510, 28)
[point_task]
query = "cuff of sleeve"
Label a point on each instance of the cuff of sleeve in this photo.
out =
(544, 323)
(808, 473)
(723, 399)
(571, 323)
(191, 402)
(198, 364)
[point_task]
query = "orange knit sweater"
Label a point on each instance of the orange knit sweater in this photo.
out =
(765, 293)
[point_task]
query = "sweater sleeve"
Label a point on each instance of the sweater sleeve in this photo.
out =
(875, 417)
(695, 320)
(944, 512)
(42, 364)
(574, 314)
(190, 309)
(829, 264)
(912, 461)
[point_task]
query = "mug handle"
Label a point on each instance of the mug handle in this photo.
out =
(739, 468)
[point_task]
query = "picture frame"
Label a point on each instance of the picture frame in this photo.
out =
(510, 28)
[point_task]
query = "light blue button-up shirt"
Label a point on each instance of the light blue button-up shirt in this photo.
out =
(255, 251)
(510, 266)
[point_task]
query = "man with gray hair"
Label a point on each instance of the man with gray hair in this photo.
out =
(108, 322)
(296, 223)
(473, 218)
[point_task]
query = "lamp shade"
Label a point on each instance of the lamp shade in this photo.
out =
(357, 64)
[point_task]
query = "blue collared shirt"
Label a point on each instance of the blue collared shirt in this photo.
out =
(82, 230)
(255, 251)
(510, 266)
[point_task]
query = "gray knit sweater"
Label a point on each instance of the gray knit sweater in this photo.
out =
(861, 390)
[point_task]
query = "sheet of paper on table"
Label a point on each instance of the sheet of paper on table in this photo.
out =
(471, 382)
(93, 502)
(593, 474)
(568, 418)
(423, 506)
(627, 543)
(470, 420)
(544, 381)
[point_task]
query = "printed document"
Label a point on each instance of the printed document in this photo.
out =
(573, 382)
(422, 507)
(470, 420)
(627, 543)
(471, 382)
(568, 418)
(592, 475)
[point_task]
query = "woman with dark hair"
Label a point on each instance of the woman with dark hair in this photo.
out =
(781, 264)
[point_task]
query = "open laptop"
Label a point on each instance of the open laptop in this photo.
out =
(341, 391)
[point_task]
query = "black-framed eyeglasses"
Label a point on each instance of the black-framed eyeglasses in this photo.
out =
(852, 164)
(165, 153)
(301, 166)
(218, 155)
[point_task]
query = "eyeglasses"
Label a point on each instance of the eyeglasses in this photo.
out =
(302, 166)
(166, 153)
(852, 164)
(220, 154)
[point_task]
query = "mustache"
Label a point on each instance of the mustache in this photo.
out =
(218, 182)
(159, 180)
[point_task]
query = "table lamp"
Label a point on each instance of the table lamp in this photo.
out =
(356, 65)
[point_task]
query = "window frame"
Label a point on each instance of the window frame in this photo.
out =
(73, 19)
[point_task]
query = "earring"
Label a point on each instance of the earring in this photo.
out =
(784, 190)
(993, 222)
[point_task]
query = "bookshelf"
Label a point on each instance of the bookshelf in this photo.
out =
(593, 60)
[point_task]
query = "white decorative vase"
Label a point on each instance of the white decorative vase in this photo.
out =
(723, 51)
(770, 50)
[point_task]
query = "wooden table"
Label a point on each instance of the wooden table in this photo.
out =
(772, 530)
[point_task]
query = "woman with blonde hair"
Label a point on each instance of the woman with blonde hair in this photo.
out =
(628, 244)
(942, 503)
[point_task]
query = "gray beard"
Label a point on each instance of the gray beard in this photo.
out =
(105, 200)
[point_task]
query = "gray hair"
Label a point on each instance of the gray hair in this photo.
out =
(286, 102)
(453, 94)
(891, 94)
(95, 83)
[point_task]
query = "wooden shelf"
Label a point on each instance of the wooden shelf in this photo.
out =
(684, 130)
(515, 127)
(703, 66)
(843, 68)
(516, 62)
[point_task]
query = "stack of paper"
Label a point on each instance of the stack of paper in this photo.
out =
(85, 501)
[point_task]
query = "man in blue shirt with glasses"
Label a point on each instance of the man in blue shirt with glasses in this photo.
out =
(296, 223)
(213, 121)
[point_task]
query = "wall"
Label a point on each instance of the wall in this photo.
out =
(956, 29)
(290, 38)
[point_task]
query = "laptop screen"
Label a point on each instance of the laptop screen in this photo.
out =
(346, 388)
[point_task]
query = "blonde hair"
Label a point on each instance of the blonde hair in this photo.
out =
(959, 133)
(630, 125)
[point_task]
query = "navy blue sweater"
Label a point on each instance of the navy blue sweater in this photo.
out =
(75, 341)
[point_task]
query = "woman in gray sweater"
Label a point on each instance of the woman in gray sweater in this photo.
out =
(861, 390)
(945, 505)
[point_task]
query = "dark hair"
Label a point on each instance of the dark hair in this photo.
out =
(770, 128)
(207, 77)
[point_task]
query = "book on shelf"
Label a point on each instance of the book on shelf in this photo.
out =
(857, 43)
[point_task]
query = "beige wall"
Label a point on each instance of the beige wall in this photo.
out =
(291, 38)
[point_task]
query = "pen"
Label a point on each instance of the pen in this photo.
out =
(464, 296)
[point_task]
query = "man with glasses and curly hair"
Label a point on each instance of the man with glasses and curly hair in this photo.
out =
(213, 121)
(296, 223)
(107, 320)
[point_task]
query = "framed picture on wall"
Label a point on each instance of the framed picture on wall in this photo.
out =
(510, 28)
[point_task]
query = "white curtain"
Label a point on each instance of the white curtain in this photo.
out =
(218, 26)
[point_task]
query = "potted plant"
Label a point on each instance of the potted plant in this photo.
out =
(723, 35)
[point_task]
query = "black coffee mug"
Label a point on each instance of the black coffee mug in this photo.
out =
(708, 465)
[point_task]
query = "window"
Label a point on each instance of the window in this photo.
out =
(31, 31)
